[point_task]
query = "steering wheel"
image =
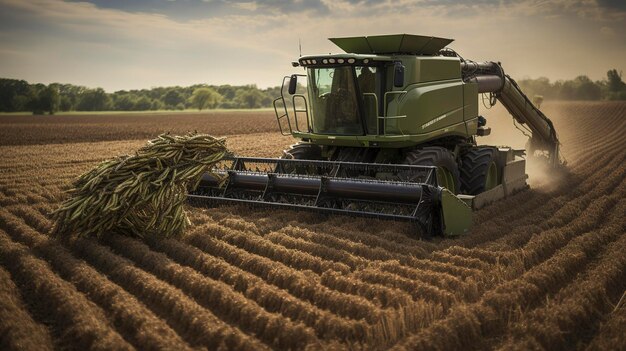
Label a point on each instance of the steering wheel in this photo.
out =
(326, 95)
(341, 94)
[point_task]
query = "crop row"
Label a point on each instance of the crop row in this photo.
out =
(129, 316)
(17, 327)
(492, 313)
(272, 298)
(278, 253)
(227, 304)
(297, 282)
(558, 323)
(198, 326)
(78, 321)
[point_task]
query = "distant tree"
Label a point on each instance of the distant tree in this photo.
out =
(615, 86)
(586, 89)
(172, 98)
(539, 86)
(94, 100)
(14, 95)
(65, 103)
(227, 104)
(142, 104)
(33, 103)
(20, 103)
(615, 82)
(123, 102)
(227, 91)
(37, 103)
(249, 98)
(205, 98)
(156, 105)
(70, 95)
(272, 93)
(568, 90)
(49, 98)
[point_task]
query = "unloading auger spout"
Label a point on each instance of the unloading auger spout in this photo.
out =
(490, 78)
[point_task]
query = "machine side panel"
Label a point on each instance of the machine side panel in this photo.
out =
(430, 69)
(428, 107)
(470, 107)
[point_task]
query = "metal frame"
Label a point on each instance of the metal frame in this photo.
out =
(285, 112)
(334, 187)
(281, 98)
(384, 117)
(400, 93)
(305, 110)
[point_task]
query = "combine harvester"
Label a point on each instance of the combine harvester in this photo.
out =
(389, 129)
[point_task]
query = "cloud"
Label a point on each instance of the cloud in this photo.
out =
(618, 5)
(607, 31)
(183, 10)
(248, 5)
(139, 45)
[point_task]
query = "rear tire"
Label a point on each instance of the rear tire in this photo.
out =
(479, 170)
(440, 157)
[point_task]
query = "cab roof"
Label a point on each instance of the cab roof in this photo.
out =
(392, 44)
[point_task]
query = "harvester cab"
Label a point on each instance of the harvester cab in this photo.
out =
(389, 129)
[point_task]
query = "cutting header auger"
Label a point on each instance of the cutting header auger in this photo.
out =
(389, 129)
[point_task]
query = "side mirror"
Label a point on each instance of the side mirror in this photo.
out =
(293, 84)
(398, 75)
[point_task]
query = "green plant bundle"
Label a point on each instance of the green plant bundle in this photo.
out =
(141, 195)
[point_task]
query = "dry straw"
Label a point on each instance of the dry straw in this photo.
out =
(140, 195)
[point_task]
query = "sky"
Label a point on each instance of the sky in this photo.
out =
(136, 44)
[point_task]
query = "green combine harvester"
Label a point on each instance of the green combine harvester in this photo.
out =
(389, 129)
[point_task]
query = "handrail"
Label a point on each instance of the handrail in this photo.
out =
(305, 110)
(396, 92)
(286, 113)
(400, 93)
(384, 117)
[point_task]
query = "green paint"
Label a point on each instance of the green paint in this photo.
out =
(457, 215)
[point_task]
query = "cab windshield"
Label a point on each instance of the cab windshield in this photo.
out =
(337, 103)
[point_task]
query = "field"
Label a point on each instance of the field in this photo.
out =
(544, 269)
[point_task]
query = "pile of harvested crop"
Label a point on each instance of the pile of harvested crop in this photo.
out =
(140, 195)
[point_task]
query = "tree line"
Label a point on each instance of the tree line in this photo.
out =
(579, 88)
(20, 96)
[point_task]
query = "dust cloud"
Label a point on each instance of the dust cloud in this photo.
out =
(505, 132)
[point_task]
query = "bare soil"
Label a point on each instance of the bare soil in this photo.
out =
(544, 269)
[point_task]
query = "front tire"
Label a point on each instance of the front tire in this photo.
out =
(303, 151)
